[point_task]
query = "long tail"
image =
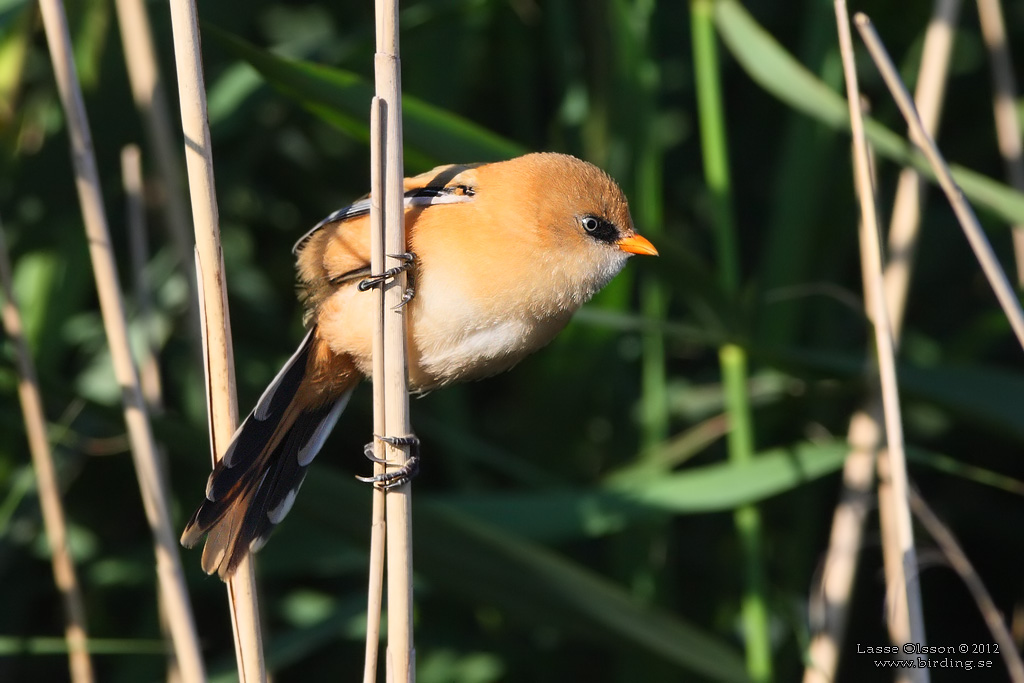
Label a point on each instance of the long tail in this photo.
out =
(253, 487)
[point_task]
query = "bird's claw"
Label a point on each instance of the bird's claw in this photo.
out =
(397, 477)
(406, 298)
(368, 454)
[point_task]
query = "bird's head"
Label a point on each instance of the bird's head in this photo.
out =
(584, 230)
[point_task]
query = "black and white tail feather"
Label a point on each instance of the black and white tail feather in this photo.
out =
(254, 486)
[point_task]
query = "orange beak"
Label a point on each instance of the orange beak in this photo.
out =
(636, 244)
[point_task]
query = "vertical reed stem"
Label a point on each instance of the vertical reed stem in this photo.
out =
(378, 524)
(64, 575)
(909, 199)
(865, 430)
(138, 241)
(214, 318)
(149, 366)
(1004, 104)
(389, 229)
(906, 619)
(169, 573)
(151, 101)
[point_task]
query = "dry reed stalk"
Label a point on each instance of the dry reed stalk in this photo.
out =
(960, 563)
(906, 620)
(79, 662)
(149, 366)
(888, 505)
(865, 433)
(888, 514)
(378, 514)
(388, 226)
(214, 319)
(830, 610)
(151, 101)
(170, 577)
(964, 213)
(138, 243)
(907, 203)
(1004, 104)
(375, 587)
(889, 509)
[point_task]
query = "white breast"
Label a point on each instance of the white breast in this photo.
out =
(473, 353)
(457, 345)
(448, 357)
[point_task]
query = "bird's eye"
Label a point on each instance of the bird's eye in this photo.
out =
(600, 229)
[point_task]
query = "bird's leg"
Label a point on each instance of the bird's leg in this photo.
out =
(407, 259)
(389, 480)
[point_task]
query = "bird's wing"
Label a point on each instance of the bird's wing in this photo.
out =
(436, 186)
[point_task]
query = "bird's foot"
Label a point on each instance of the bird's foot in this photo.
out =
(397, 477)
(407, 260)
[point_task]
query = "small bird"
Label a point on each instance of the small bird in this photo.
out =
(500, 257)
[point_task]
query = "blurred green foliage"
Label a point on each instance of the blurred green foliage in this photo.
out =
(538, 483)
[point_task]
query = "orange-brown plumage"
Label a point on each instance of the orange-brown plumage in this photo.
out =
(504, 254)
